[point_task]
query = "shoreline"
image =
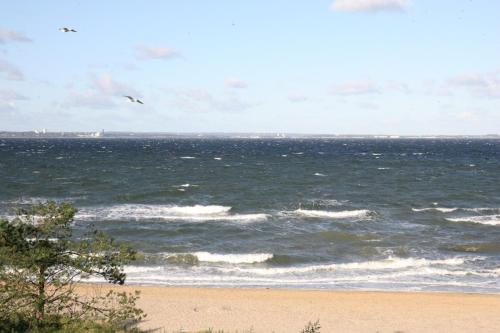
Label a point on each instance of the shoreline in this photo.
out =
(289, 310)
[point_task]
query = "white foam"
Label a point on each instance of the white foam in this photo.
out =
(439, 209)
(485, 219)
(187, 157)
(482, 209)
(166, 212)
(320, 174)
(218, 158)
(453, 209)
(391, 263)
(339, 214)
(247, 258)
(142, 269)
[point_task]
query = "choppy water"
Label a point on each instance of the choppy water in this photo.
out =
(349, 214)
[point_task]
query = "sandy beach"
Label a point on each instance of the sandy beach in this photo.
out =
(287, 311)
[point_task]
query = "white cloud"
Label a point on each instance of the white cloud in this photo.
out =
(399, 86)
(8, 100)
(106, 85)
(200, 100)
(158, 52)
(464, 115)
(101, 93)
(10, 71)
(297, 97)
(469, 80)
(369, 106)
(235, 83)
(90, 100)
(7, 35)
(369, 5)
(435, 89)
(480, 84)
(355, 88)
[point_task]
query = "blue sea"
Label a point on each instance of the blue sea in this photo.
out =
(383, 214)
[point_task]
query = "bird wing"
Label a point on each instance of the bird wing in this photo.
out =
(139, 101)
(130, 98)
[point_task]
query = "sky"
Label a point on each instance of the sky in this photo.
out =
(407, 67)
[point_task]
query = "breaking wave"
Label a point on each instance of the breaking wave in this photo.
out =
(196, 257)
(485, 219)
(340, 214)
(454, 209)
(166, 212)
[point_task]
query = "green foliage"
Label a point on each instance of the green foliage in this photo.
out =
(40, 263)
(312, 327)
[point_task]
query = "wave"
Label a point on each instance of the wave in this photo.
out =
(392, 273)
(487, 247)
(339, 214)
(196, 257)
(187, 157)
(454, 209)
(485, 219)
(438, 209)
(319, 174)
(166, 212)
(39, 200)
(391, 263)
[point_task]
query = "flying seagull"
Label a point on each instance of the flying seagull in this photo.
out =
(134, 100)
(64, 29)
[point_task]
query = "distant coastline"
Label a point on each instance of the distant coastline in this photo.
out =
(43, 134)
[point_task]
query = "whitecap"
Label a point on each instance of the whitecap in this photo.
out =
(196, 213)
(244, 258)
(391, 263)
(338, 214)
(485, 219)
(439, 209)
(454, 209)
(320, 174)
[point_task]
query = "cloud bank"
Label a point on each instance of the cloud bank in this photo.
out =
(200, 100)
(101, 95)
(369, 5)
(480, 84)
(10, 71)
(355, 88)
(158, 52)
(235, 83)
(8, 100)
(7, 35)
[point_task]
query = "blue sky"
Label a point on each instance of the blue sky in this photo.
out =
(339, 67)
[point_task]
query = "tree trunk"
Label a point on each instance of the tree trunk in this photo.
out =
(40, 302)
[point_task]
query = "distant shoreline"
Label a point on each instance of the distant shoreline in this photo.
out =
(288, 311)
(272, 135)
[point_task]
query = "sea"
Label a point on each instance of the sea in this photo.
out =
(369, 214)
